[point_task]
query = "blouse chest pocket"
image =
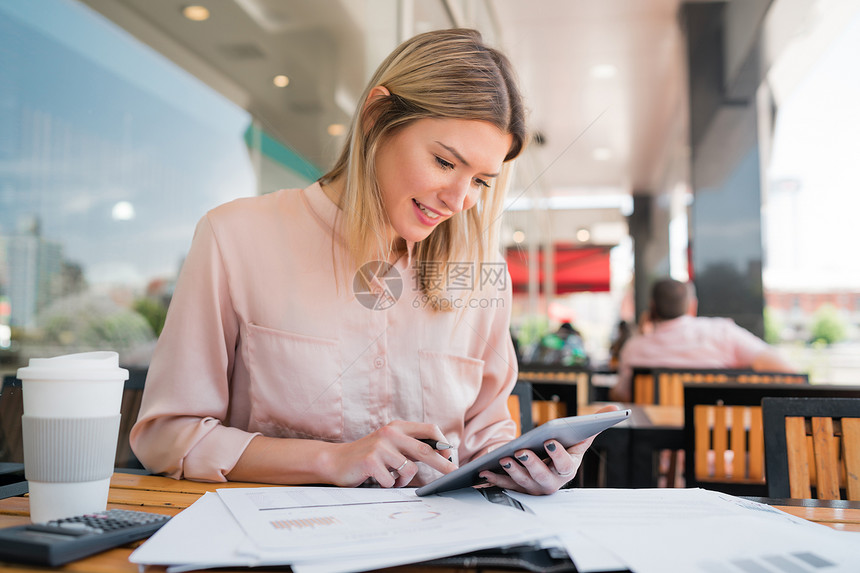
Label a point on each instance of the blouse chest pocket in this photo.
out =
(295, 384)
(450, 384)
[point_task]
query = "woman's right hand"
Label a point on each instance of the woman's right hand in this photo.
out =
(389, 455)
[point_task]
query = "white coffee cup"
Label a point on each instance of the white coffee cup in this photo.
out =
(70, 427)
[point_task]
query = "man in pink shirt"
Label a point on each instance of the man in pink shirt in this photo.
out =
(677, 338)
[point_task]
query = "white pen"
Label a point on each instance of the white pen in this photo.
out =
(436, 445)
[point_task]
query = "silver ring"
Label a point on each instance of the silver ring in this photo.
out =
(403, 465)
(565, 475)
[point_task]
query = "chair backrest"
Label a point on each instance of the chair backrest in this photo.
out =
(132, 394)
(520, 406)
(556, 390)
(644, 390)
(812, 447)
(12, 408)
(724, 432)
(665, 386)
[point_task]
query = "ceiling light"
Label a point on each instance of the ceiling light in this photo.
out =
(281, 81)
(122, 211)
(519, 237)
(583, 235)
(196, 13)
(336, 129)
(602, 154)
(603, 71)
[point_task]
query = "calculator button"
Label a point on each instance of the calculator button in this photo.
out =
(57, 530)
(85, 527)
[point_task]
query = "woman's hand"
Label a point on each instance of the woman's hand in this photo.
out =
(528, 473)
(389, 455)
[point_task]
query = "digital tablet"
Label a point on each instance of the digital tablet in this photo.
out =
(567, 431)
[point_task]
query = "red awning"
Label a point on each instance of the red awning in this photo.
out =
(577, 269)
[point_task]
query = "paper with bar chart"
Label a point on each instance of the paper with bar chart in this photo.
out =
(310, 522)
(207, 535)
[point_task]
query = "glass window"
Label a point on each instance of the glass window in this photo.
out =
(811, 210)
(109, 155)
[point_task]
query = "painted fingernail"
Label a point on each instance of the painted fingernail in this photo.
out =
(507, 466)
(483, 478)
(451, 460)
(523, 457)
(550, 447)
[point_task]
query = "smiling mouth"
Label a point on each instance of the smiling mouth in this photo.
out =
(430, 214)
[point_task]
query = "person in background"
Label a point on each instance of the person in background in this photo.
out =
(564, 347)
(623, 333)
(250, 383)
(677, 338)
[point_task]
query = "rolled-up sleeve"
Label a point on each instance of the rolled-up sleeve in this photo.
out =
(179, 430)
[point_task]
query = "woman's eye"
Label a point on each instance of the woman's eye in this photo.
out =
(444, 164)
(482, 183)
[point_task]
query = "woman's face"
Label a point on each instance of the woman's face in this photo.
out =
(434, 168)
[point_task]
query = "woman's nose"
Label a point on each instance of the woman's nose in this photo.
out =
(458, 196)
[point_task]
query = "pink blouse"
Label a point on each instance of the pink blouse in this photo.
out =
(265, 336)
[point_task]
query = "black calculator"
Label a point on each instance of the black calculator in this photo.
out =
(58, 542)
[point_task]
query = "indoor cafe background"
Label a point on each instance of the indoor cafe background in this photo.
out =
(708, 139)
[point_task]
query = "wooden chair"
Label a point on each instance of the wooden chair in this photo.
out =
(729, 446)
(132, 394)
(644, 391)
(556, 390)
(724, 432)
(549, 403)
(520, 406)
(666, 385)
(11, 410)
(812, 447)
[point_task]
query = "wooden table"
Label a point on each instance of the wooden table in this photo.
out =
(837, 514)
(167, 496)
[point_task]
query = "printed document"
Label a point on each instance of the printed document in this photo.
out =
(337, 530)
(687, 530)
(331, 530)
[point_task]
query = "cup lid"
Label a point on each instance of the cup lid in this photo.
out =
(100, 365)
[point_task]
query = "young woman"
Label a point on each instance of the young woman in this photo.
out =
(397, 247)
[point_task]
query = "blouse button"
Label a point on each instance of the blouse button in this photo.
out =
(379, 362)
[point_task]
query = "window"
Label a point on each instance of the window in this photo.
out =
(109, 155)
(812, 203)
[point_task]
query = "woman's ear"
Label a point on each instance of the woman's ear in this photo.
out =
(375, 94)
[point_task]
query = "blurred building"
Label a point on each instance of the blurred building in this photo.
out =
(34, 270)
(795, 312)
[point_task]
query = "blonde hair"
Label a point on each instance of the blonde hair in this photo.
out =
(438, 74)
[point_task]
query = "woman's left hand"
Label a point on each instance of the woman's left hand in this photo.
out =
(528, 473)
